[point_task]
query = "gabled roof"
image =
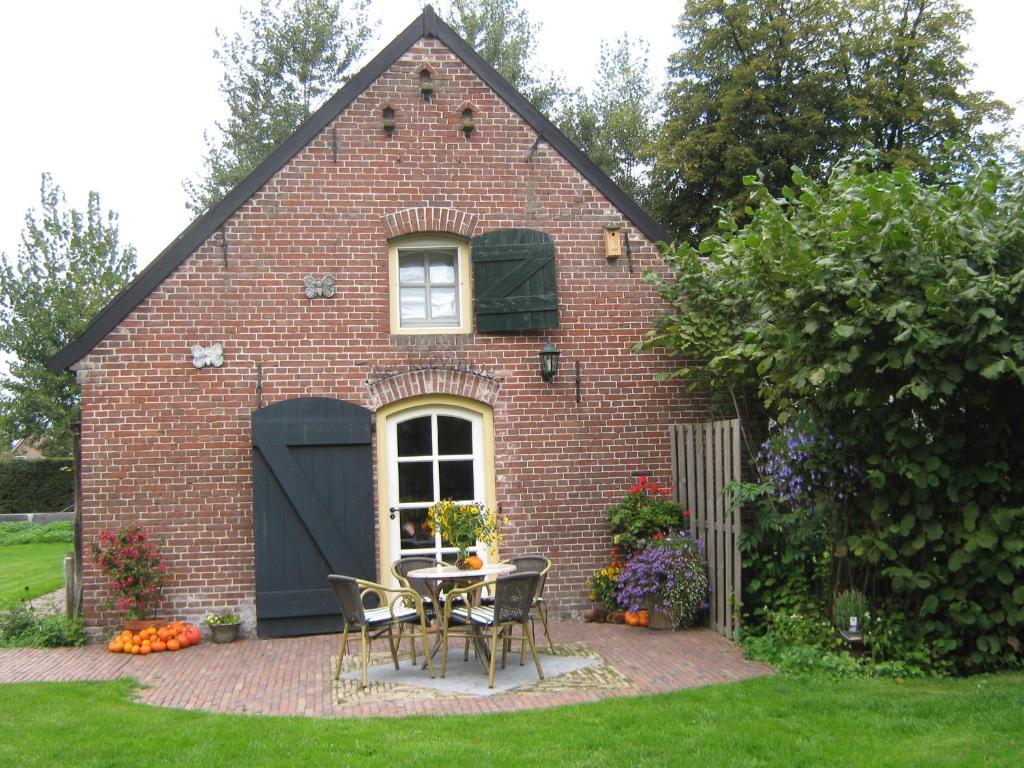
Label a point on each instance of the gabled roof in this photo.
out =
(426, 25)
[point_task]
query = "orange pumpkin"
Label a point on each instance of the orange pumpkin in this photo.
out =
(173, 645)
(159, 646)
(115, 646)
(644, 618)
(474, 562)
(632, 618)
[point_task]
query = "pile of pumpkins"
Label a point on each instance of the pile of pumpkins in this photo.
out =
(638, 618)
(170, 637)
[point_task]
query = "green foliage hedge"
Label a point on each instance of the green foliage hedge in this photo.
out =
(22, 626)
(61, 532)
(886, 313)
(36, 485)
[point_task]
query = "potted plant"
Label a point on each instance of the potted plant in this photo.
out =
(223, 626)
(850, 614)
(135, 573)
(604, 591)
(644, 511)
(464, 526)
(668, 578)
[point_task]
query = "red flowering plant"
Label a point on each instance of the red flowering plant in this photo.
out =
(644, 512)
(134, 569)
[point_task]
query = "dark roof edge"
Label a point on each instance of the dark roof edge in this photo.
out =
(547, 130)
(195, 234)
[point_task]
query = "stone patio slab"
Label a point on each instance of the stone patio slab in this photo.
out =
(468, 678)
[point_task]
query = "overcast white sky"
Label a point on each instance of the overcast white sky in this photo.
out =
(114, 96)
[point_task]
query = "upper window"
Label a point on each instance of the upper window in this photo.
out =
(429, 286)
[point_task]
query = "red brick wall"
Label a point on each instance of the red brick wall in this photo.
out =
(169, 445)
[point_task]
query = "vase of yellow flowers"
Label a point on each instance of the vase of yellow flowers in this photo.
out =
(464, 526)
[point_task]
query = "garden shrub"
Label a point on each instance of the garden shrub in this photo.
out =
(61, 532)
(884, 312)
(22, 626)
(35, 485)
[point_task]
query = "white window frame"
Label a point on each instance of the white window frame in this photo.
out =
(463, 322)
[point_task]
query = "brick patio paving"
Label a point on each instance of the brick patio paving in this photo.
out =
(294, 676)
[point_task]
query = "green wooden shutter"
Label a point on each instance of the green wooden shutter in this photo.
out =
(514, 278)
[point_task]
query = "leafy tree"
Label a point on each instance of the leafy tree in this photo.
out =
(283, 66)
(885, 311)
(68, 266)
(613, 124)
(502, 33)
(769, 84)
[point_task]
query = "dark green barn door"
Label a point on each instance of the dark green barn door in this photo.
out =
(313, 498)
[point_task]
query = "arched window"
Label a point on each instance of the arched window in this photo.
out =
(431, 452)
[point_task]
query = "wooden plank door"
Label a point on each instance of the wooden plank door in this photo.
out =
(313, 510)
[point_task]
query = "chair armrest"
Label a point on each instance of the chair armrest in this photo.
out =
(401, 593)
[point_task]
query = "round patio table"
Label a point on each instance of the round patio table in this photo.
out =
(436, 577)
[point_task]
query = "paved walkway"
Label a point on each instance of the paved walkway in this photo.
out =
(294, 676)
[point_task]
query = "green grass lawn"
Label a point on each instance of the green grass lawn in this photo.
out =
(40, 567)
(780, 720)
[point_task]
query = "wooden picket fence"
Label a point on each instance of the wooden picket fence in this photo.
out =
(706, 456)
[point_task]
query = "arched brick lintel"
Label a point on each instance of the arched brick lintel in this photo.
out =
(433, 381)
(409, 221)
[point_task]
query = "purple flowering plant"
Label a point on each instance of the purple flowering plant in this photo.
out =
(805, 465)
(670, 571)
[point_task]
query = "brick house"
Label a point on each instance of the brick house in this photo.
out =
(355, 332)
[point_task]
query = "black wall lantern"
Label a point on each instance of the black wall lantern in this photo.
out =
(549, 361)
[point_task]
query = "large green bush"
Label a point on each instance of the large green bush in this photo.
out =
(886, 312)
(36, 485)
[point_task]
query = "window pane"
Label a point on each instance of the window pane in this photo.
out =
(415, 481)
(415, 530)
(456, 480)
(454, 435)
(414, 303)
(414, 437)
(442, 303)
(442, 268)
(410, 268)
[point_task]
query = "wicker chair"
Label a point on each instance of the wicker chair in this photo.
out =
(534, 564)
(400, 570)
(405, 607)
(465, 617)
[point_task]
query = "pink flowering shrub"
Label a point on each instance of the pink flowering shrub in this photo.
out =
(134, 569)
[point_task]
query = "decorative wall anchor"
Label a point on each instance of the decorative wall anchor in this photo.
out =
(319, 286)
(208, 357)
